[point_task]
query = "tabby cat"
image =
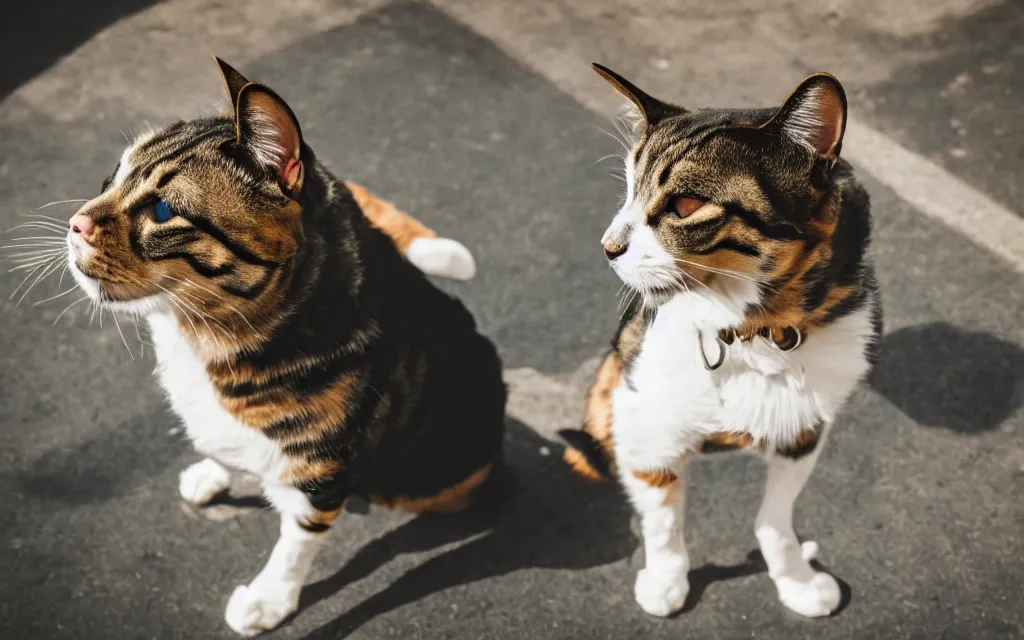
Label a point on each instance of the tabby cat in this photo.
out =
(743, 237)
(294, 339)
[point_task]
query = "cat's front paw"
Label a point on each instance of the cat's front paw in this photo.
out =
(814, 597)
(257, 608)
(200, 482)
(661, 593)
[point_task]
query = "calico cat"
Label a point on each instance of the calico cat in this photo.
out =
(743, 237)
(294, 340)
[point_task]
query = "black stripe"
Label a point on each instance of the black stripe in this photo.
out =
(207, 227)
(198, 266)
(285, 426)
(251, 291)
(314, 527)
(771, 230)
(728, 244)
(167, 177)
(181, 148)
(320, 376)
(798, 451)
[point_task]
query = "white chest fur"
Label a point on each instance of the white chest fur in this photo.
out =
(675, 401)
(212, 429)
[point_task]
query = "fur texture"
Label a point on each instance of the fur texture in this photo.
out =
(754, 314)
(294, 338)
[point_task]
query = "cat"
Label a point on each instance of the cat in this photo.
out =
(296, 338)
(755, 313)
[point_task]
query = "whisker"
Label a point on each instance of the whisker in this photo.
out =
(120, 333)
(45, 225)
(33, 245)
(41, 267)
(142, 344)
(59, 295)
(61, 314)
(50, 204)
(32, 260)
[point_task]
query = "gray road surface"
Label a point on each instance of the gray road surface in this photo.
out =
(482, 119)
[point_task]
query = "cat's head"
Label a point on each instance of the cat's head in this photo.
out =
(201, 217)
(726, 193)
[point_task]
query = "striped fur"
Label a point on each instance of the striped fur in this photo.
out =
(743, 233)
(334, 367)
(795, 223)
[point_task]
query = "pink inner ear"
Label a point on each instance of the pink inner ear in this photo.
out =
(274, 138)
(830, 114)
(291, 174)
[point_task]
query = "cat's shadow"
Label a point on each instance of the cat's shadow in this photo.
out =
(539, 515)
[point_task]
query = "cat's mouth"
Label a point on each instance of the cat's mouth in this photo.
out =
(116, 296)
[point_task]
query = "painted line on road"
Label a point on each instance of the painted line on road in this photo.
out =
(927, 187)
(936, 193)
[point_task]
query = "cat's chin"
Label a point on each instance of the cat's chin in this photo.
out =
(136, 306)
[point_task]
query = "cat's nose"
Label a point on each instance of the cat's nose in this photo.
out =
(613, 249)
(83, 226)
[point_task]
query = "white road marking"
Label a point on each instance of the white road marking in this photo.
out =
(929, 188)
(936, 193)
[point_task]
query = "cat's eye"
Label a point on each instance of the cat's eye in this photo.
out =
(683, 206)
(162, 212)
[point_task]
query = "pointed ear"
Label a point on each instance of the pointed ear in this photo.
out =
(651, 109)
(814, 115)
(233, 81)
(266, 126)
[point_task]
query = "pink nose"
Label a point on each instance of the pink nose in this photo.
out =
(83, 226)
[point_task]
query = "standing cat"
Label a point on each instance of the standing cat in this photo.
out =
(294, 340)
(743, 236)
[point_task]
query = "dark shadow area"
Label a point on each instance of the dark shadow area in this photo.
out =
(961, 107)
(535, 514)
(943, 376)
(703, 577)
(36, 34)
(101, 469)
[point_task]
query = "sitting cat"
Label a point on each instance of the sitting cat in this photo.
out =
(294, 339)
(755, 313)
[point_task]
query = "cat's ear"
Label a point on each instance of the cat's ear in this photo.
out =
(233, 81)
(814, 115)
(267, 127)
(651, 109)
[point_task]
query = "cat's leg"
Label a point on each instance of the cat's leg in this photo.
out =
(657, 495)
(806, 591)
(442, 257)
(273, 594)
(203, 480)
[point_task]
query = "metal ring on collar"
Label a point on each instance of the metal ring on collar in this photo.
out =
(704, 356)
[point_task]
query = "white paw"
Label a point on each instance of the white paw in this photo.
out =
(814, 597)
(442, 257)
(203, 480)
(661, 594)
(255, 608)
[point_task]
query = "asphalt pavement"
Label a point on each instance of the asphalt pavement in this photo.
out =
(483, 119)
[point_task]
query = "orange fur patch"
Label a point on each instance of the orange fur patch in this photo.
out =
(581, 466)
(450, 500)
(726, 441)
(658, 478)
(597, 417)
(395, 223)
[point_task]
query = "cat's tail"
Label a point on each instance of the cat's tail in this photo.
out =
(590, 451)
(435, 256)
